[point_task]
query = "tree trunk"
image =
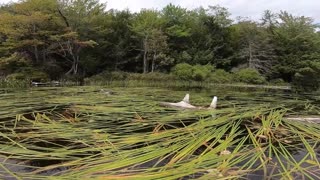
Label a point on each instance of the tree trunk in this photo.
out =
(153, 62)
(145, 56)
(36, 52)
(74, 51)
(250, 63)
(74, 68)
(44, 55)
(64, 17)
(76, 65)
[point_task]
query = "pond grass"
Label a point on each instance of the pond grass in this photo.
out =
(81, 133)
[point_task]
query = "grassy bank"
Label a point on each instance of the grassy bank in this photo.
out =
(170, 80)
(4, 83)
(177, 79)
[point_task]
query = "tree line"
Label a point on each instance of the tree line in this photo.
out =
(81, 38)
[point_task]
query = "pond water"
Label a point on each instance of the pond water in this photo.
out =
(57, 130)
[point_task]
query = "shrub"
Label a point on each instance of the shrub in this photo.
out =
(221, 76)
(13, 63)
(187, 72)
(29, 74)
(16, 76)
(109, 76)
(185, 57)
(250, 76)
(201, 73)
(124, 76)
(278, 81)
(154, 76)
(6, 83)
(117, 76)
(18, 68)
(307, 77)
(183, 71)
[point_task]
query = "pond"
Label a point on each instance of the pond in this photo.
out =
(123, 132)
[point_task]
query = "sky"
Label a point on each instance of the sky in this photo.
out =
(245, 8)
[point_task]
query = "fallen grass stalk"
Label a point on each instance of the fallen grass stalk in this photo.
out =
(126, 137)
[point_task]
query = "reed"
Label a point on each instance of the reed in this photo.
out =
(83, 133)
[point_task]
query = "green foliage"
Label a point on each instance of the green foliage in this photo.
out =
(278, 81)
(250, 76)
(12, 64)
(109, 76)
(124, 76)
(17, 68)
(203, 56)
(183, 71)
(148, 28)
(145, 22)
(187, 72)
(10, 83)
(80, 38)
(201, 73)
(16, 76)
(295, 39)
(176, 19)
(117, 76)
(154, 76)
(30, 74)
(307, 77)
(220, 76)
(185, 57)
(37, 75)
(254, 47)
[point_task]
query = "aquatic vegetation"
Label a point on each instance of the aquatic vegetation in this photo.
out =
(84, 133)
(5, 83)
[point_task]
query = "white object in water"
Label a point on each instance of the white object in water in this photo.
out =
(214, 102)
(182, 104)
(185, 103)
(186, 98)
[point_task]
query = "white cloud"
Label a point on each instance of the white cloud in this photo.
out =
(247, 8)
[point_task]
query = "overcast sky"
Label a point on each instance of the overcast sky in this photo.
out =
(245, 8)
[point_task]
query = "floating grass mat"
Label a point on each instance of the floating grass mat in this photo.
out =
(86, 133)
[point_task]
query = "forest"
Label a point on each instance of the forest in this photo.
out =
(56, 39)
